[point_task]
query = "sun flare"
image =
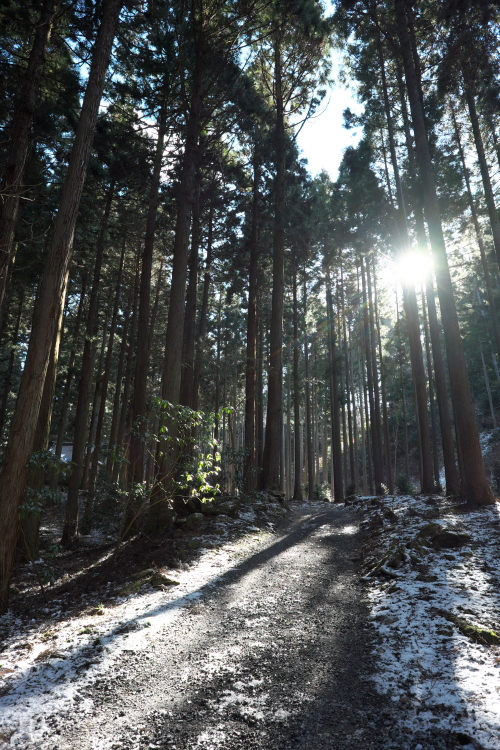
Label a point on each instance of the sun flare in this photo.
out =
(413, 268)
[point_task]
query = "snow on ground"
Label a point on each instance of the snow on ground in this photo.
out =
(43, 672)
(425, 663)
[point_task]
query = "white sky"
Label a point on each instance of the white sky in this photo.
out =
(323, 139)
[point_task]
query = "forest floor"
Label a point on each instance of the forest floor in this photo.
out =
(328, 627)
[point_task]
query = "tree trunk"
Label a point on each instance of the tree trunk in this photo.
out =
(260, 399)
(251, 373)
(387, 443)
(202, 323)
(71, 372)
(272, 448)
(375, 429)
(129, 370)
(188, 348)
(137, 447)
(50, 299)
(338, 488)
(70, 530)
(29, 527)
(309, 439)
(297, 484)
(10, 365)
(477, 491)
(483, 167)
(19, 142)
(450, 468)
(87, 520)
(435, 457)
(479, 236)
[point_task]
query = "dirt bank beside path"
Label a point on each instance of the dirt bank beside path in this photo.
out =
(274, 651)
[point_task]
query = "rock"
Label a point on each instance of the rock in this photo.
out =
(194, 504)
(228, 508)
(442, 538)
(178, 534)
(144, 573)
(159, 580)
(389, 515)
(194, 521)
(222, 519)
(325, 499)
(427, 578)
(477, 634)
(14, 591)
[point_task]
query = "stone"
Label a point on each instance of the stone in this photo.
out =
(442, 538)
(194, 521)
(159, 580)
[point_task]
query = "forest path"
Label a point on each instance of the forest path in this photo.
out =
(275, 655)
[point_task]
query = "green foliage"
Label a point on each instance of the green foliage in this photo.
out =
(404, 485)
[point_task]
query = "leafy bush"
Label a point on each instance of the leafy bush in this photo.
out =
(404, 485)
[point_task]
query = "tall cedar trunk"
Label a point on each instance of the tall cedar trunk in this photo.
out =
(477, 491)
(418, 372)
(260, 398)
(175, 324)
(362, 425)
(136, 449)
(172, 364)
(50, 300)
(19, 142)
(288, 457)
(29, 526)
(95, 406)
(70, 530)
(87, 520)
(488, 388)
(411, 310)
(367, 423)
(338, 489)
(202, 323)
(375, 430)
(309, 436)
(345, 450)
(188, 346)
(272, 448)
(450, 468)
(354, 415)
(251, 353)
(387, 442)
(483, 167)
(129, 370)
(154, 311)
(70, 375)
(403, 390)
(435, 458)
(479, 236)
(217, 445)
(297, 484)
(115, 417)
(347, 383)
(10, 365)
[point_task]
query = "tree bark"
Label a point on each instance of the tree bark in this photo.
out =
(309, 431)
(137, 447)
(483, 167)
(19, 142)
(50, 299)
(251, 372)
(71, 372)
(297, 486)
(188, 347)
(10, 365)
(272, 448)
(202, 323)
(477, 491)
(338, 487)
(70, 530)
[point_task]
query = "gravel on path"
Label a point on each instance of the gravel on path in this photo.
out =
(275, 653)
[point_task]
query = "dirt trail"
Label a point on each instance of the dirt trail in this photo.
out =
(276, 655)
(267, 644)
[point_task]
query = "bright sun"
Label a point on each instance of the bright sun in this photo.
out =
(413, 268)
